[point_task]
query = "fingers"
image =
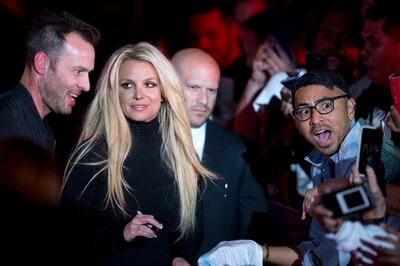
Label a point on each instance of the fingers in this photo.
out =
(325, 218)
(272, 54)
(133, 230)
(148, 220)
(393, 120)
(309, 200)
(286, 108)
(376, 253)
(373, 184)
(365, 255)
(382, 254)
(391, 230)
(141, 225)
(354, 178)
(303, 214)
(320, 211)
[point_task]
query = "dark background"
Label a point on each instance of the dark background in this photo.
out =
(163, 23)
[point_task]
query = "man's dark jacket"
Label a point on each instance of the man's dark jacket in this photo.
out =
(20, 118)
(231, 200)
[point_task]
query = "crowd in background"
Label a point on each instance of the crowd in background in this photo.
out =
(251, 45)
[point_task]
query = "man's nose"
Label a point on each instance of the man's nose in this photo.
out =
(316, 117)
(84, 83)
(202, 96)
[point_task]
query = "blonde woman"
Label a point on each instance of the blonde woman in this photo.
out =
(134, 172)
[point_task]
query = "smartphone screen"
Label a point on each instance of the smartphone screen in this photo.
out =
(370, 149)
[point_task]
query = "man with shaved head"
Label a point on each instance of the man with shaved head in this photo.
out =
(231, 200)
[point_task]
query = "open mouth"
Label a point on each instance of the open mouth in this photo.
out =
(322, 137)
(72, 98)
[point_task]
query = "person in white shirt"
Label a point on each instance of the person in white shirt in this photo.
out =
(232, 199)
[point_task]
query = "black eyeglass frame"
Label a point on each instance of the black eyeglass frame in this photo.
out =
(332, 99)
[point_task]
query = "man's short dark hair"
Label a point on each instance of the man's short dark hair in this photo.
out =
(324, 77)
(47, 34)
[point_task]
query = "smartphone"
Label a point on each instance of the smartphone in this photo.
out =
(349, 201)
(394, 81)
(369, 150)
(315, 61)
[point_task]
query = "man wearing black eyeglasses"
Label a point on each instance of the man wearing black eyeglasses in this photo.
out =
(324, 110)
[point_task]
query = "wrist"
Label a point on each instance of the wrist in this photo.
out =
(376, 221)
(377, 214)
(265, 249)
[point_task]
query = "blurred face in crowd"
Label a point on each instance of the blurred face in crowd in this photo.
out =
(336, 39)
(324, 131)
(139, 92)
(249, 43)
(380, 52)
(200, 75)
(243, 11)
(212, 33)
(65, 79)
(248, 8)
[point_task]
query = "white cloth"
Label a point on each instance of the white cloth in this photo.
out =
(199, 138)
(271, 89)
(349, 236)
(233, 253)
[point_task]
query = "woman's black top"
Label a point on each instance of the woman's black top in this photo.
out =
(154, 191)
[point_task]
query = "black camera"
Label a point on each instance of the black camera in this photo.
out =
(349, 201)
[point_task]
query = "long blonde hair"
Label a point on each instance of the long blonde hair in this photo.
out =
(105, 119)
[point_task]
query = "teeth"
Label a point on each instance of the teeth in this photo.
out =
(319, 132)
(73, 95)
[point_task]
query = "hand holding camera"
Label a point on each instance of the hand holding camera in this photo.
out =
(350, 192)
(349, 201)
